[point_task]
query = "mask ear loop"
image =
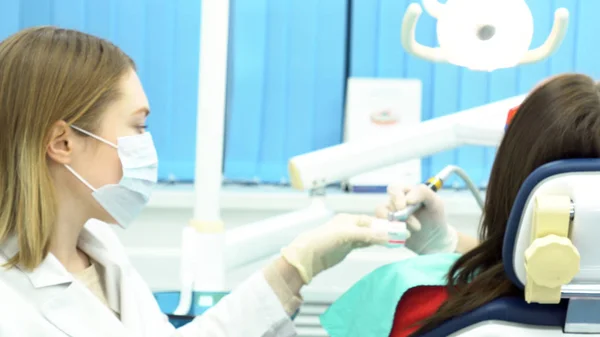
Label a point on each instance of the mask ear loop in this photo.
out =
(94, 136)
(78, 176)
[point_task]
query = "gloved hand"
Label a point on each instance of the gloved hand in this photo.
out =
(428, 227)
(325, 246)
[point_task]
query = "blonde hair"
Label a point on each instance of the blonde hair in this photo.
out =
(47, 74)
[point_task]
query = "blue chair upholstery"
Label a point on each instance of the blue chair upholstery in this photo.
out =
(515, 309)
(506, 309)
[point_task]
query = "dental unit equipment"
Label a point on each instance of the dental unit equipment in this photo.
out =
(483, 125)
(435, 183)
(482, 35)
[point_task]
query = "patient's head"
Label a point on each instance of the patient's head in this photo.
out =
(560, 119)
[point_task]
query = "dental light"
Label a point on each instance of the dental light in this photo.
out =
(482, 125)
(482, 35)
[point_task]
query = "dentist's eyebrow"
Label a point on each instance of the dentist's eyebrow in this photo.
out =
(145, 110)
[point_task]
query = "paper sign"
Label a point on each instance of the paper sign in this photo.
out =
(376, 107)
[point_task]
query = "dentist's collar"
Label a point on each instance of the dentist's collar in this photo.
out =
(49, 273)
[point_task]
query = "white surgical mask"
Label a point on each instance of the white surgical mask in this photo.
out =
(124, 201)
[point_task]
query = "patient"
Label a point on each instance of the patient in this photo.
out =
(560, 119)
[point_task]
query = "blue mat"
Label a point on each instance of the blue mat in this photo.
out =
(168, 301)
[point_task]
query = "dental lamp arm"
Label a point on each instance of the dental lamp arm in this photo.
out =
(557, 35)
(407, 35)
(482, 125)
(433, 7)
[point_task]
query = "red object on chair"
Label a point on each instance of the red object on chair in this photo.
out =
(511, 115)
(416, 305)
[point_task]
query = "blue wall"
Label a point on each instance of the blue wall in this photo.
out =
(162, 36)
(287, 69)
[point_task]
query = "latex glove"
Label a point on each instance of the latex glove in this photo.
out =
(327, 245)
(428, 227)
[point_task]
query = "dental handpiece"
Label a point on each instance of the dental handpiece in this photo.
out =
(435, 183)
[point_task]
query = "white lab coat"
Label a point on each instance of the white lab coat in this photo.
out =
(50, 302)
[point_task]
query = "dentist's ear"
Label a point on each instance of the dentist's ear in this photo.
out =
(60, 143)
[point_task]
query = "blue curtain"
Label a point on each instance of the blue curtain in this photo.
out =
(286, 84)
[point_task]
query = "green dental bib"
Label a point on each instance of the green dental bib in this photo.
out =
(367, 309)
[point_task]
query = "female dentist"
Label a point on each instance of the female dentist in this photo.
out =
(73, 148)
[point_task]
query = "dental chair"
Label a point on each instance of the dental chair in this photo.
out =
(551, 250)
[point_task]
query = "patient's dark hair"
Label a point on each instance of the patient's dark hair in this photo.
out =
(560, 119)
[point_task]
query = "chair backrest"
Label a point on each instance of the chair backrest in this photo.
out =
(550, 251)
(578, 180)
